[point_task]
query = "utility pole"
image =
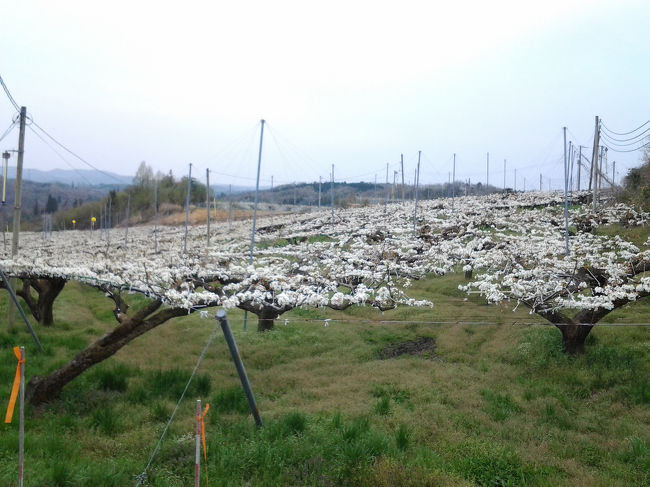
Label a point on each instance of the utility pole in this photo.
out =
(187, 207)
(17, 206)
(5, 164)
(566, 200)
(394, 185)
(613, 173)
(332, 195)
(402, 166)
(594, 164)
(540, 182)
(207, 200)
(453, 184)
(417, 182)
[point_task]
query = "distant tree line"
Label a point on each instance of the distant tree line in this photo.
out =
(139, 197)
(637, 184)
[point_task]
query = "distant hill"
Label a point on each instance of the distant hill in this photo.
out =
(79, 177)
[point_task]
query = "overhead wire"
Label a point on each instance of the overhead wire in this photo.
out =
(8, 131)
(8, 93)
(60, 156)
(636, 138)
(647, 144)
(76, 155)
(621, 143)
(602, 124)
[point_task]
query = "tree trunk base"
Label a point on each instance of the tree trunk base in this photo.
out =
(573, 338)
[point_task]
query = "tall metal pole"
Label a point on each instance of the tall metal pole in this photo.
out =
(570, 166)
(566, 200)
(453, 184)
(417, 182)
(230, 207)
(17, 206)
(401, 157)
(155, 214)
(594, 164)
(487, 173)
(187, 206)
(207, 200)
(387, 191)
(126, 232)
(579, 164)
(257, 190)
(540, 182)
(332, 193)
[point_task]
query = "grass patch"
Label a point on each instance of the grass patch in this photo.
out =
(333, 414)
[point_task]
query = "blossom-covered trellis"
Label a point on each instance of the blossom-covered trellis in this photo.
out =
(512, 246)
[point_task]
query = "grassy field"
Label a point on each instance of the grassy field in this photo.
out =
(490, 403)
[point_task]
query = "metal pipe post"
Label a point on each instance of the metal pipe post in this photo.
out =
(187, 207)
(332, 191)
(566, 201)
(239, 365)
(197, 453)
(417, 182)
(453, 184)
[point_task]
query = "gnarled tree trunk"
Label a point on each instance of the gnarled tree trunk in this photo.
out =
(573, 337)
(42, 389)
(47, 290)
(266, 320)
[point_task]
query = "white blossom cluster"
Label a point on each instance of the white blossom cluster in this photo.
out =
(514, 243)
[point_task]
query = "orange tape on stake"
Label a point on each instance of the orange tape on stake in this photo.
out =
(14, 388)
(200, 418)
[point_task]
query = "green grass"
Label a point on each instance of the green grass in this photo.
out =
(636, 234)
(494, 404)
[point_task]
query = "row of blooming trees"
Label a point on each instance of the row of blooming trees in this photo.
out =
(511, 246)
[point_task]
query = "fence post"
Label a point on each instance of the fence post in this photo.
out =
(197, 456)
(234, 352)
(21, 417)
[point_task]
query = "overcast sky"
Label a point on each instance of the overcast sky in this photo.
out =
(350, 83)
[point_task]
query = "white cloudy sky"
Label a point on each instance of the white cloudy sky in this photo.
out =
(351, 83)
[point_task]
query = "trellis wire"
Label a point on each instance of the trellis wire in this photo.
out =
(143, 476)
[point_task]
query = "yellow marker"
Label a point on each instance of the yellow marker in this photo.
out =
(93, 219)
